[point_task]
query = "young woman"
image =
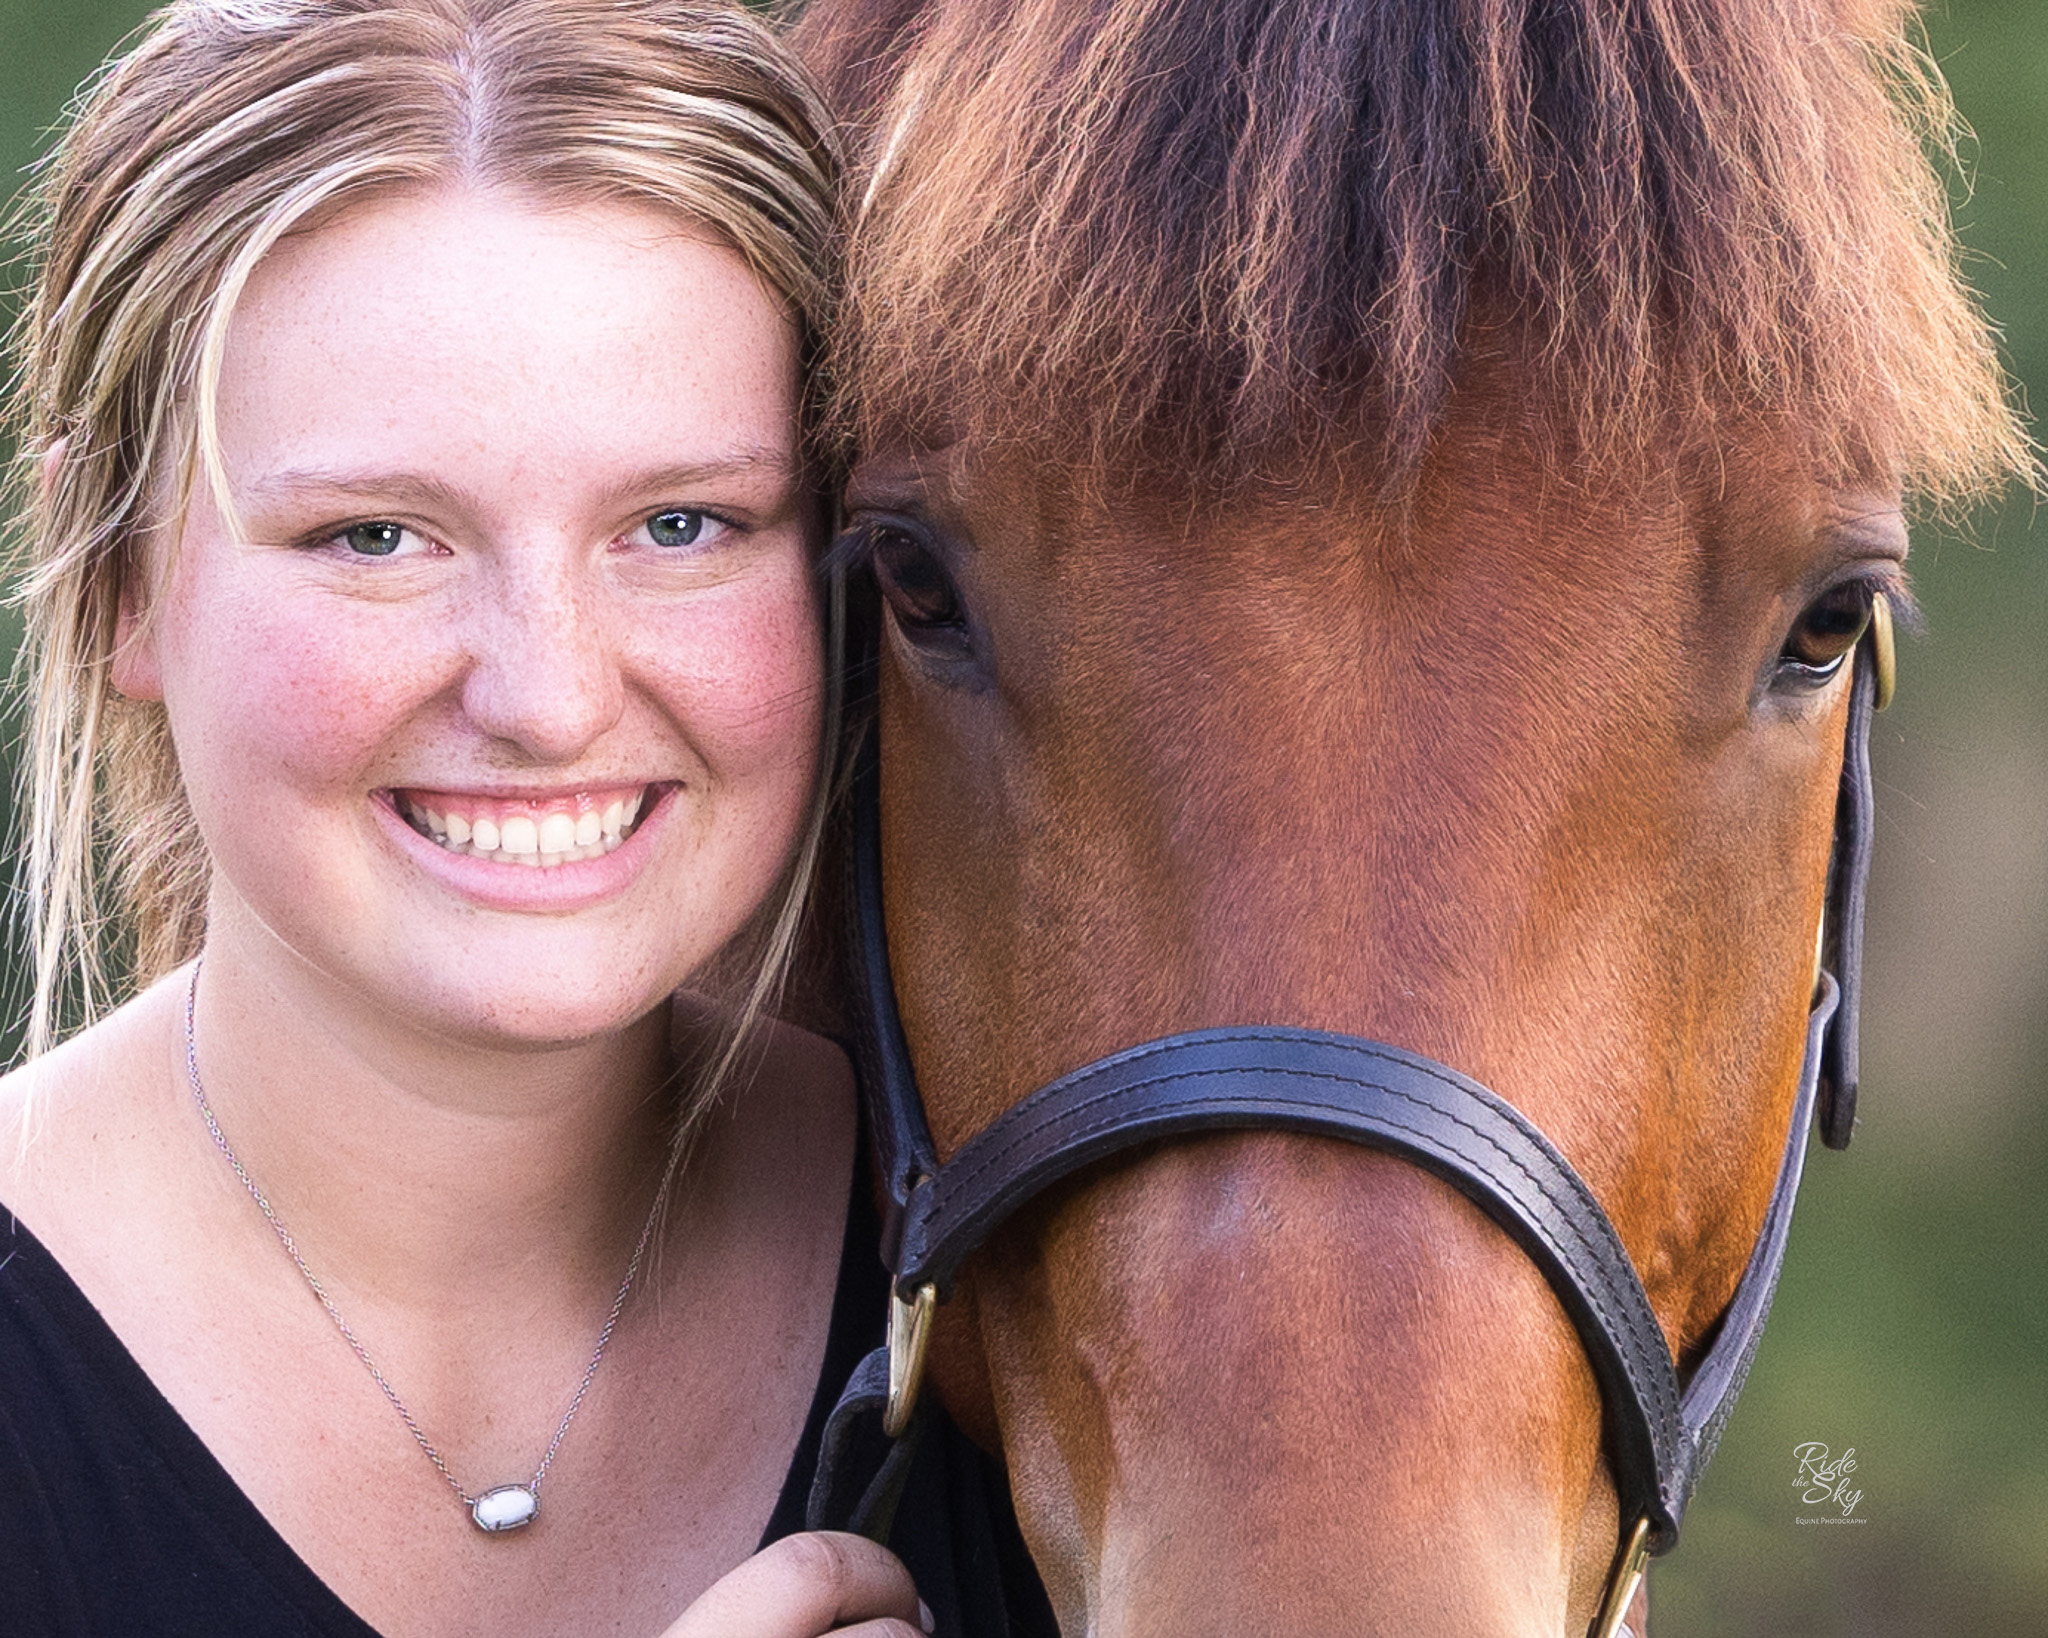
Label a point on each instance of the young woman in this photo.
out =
(429, 712)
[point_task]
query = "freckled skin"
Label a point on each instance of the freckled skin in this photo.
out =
(511, 507)
(1506, 785)
(526, 637)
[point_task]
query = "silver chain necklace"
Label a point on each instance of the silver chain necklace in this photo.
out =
(502, 1507)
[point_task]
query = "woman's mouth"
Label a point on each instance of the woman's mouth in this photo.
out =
(540, 832)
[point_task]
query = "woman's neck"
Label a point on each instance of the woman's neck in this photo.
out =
(420, 1167)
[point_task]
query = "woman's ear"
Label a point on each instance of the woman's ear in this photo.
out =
(133, 666)
(52, 466)
(134, 670)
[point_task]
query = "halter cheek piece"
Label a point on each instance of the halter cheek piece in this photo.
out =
(1660, 1435)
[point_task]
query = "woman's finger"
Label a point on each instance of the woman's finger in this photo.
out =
(808, 1585)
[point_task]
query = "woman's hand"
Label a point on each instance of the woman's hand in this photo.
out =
(806, 1586)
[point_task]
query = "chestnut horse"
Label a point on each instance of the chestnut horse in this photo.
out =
(1374, 505)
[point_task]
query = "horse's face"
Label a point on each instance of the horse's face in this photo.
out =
(1535, 778)
(1523, 769)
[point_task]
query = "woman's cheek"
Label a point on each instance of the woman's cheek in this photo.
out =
(759, 684)
(308, 701)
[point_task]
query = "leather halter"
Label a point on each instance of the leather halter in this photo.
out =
(1660, 1434)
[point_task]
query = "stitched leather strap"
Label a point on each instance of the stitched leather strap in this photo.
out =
(1848, 884)
(902, 1140)
(1717, 1380)
(852, 1447)
(1371, 1093)
(1366, 1092)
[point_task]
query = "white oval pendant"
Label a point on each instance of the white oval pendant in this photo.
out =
(507, 1508)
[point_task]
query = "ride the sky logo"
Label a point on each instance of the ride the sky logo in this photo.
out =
(1827, 1481)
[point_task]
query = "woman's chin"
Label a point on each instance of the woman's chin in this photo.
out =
(523, 1011)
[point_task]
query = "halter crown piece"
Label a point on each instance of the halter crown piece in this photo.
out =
(1660, 1434)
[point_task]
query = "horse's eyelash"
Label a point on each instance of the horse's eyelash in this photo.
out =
(1907, 614)
(850, 551)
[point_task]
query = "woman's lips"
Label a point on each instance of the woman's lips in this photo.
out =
(541, 832)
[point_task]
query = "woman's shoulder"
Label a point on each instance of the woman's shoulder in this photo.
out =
(75, 1121)
(99, 1059)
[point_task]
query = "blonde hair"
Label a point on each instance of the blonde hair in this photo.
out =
(228, 124)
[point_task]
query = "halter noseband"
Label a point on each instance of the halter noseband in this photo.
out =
(1660, 1435)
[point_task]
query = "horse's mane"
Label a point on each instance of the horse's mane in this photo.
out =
(1199, 242)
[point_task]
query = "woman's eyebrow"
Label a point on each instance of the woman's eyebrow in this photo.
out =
(777, 466)
(407, 488)
(402, 487)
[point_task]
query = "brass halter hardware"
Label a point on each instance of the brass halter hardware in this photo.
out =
(1885, 646)
(910, 1332)
(1628, 1575)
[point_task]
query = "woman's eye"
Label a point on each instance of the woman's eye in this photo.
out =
(1826, 634)
(376, 539)
(915, 585)
(678, 530)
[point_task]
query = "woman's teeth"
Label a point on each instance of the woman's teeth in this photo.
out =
(541, 838)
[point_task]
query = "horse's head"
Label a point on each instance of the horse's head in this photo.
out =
(1374, 505)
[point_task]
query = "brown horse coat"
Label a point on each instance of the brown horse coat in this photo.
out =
(1370, 500)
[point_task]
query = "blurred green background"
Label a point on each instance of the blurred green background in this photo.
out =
(1912, 1325)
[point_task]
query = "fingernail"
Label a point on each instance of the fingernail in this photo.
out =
(925, 1617)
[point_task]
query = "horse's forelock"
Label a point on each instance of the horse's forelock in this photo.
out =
(1188, 243)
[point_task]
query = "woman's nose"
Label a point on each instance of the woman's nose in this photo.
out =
(545, 671)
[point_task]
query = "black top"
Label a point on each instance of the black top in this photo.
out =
(115, 1519)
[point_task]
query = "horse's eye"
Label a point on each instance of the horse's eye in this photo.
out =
(1826, 633)
(915, 585)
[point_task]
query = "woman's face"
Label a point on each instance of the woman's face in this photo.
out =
(503, 707)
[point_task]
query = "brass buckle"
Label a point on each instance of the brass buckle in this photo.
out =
(1628, 1575)
(910, 1332)
(1884, 649)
